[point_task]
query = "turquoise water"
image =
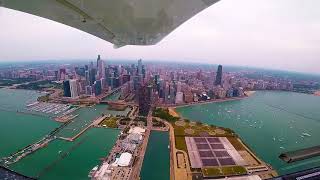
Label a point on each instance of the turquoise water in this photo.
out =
(14, 99)
(156, 163)
(83, 154)
(79, 157)
(113, 97)
(18, 130)
(86, 115)
(269, 123)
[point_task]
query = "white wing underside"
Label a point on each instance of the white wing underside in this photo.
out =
(121, 22)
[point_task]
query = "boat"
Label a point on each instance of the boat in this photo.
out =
(306, 134)
(32, 104)
(93, 170)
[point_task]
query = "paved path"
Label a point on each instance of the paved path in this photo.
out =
(175, 172)
(135, 174)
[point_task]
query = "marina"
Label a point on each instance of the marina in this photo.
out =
(51, 109)
(42, 145)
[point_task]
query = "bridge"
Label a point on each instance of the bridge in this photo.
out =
(116, 90)
(119, 102)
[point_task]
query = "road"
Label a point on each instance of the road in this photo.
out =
(135, 174)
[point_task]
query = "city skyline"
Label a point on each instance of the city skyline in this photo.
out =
(139, 99)
(174, 89)
(280, 39)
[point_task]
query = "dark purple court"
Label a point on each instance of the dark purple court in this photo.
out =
(211, 151)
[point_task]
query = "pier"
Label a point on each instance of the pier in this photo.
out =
(301, 154)
(31, 148)
(95, 123)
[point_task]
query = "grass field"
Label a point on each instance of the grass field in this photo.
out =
(198, 130)
(236, 144)
(224, 171)
(110, 122)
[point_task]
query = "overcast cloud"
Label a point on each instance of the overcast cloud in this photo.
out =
(280, 34)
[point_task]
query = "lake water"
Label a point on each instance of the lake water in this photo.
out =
(86, 115)
(18, 130)
(269, 123)
(81, 156)
(60, 159)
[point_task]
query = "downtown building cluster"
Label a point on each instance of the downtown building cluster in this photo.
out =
(150, 84)
(188, 86)
(96, 79)
(178, 86)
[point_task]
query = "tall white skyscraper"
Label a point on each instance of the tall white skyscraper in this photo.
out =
(101, 69)
(73, 88)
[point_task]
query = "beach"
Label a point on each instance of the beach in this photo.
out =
(172, 112)
(249, 93)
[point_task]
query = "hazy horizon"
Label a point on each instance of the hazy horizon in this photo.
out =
(147, 61)
(268, 34)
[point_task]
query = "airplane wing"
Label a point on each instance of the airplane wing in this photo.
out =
(121, 22)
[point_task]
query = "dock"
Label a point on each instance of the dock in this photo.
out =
(301, 154)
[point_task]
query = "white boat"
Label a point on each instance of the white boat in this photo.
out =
(306, 134)
(32, 104)
(93, 170)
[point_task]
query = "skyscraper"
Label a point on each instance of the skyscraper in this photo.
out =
(87, 76)
(92, 75)
(101, 68)
(74, 88)
(144, 99)
(62, 74)
(219, 76)
(66, 89)
(98, 88)
(139, 67)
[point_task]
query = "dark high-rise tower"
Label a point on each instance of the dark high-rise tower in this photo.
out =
(144, 98)
(66, 88)
(219, 76)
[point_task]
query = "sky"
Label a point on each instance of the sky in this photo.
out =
(276, 34)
